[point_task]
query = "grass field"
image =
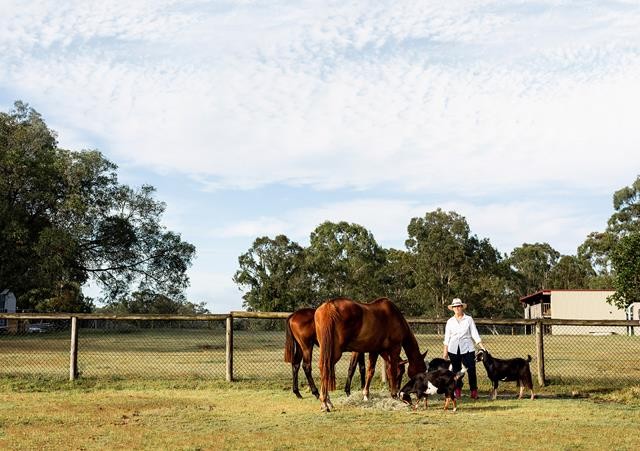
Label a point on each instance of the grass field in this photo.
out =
(165, 389)
(189, 415)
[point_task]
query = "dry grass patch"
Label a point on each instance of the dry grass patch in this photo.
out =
(215, 417)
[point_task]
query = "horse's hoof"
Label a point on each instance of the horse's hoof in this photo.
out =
(298, 395)
(316, 394)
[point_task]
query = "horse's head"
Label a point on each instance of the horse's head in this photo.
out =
(415, 367)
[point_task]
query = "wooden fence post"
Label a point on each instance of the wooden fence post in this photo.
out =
(540, 351)
(73, 352)
(229, 349)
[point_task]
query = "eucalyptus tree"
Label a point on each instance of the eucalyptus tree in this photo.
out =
(599, 247)
(451, 262)
(65, 219)
(570, 273)
(626, 263)
(273, 275)
(532, 264)
(399, 283)
(344, 259)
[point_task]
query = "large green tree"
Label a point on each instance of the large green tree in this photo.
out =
(626, 263)
(616, 250)
(65, 220)
(344, 259)
(273, 274)
(451, 262)
(398, 281)
(599, 247)
(532, 264)
(570, 273)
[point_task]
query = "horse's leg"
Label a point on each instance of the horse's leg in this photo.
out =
(324, 391)
(307, 354)
(392, 372)
(355, 359)
(361, 368)
(325, 400)
(295, 368)
(373, 358)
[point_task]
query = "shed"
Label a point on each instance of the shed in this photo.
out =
(577, 304)
(7, 305)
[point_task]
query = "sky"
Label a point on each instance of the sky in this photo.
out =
(260, 118)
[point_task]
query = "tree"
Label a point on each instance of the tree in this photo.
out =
(570, 273)
(532, 264)
(345, 260)
(274, 275)
(398, 280)
(626, 263)
(65, 219)
(147, 302)
(450, 262)
(489, 289)
(599, 246)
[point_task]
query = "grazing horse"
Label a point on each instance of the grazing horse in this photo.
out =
(300, 336)
(377, 328)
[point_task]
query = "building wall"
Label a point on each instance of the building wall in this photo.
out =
(584, 305)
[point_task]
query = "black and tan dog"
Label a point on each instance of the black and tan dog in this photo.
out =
(506, 370)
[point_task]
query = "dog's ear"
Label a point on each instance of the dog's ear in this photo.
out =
(424, 354)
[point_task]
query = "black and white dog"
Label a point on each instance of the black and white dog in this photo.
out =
(441, 380)
(506, 370)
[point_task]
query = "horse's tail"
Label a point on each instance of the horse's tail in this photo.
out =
(289, 342)
(325, 332)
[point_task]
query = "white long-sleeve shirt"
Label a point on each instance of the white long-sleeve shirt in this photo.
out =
(461, 333)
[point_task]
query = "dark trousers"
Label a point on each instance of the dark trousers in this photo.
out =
(469, 360)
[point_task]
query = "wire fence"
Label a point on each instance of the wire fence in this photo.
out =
(240, 346)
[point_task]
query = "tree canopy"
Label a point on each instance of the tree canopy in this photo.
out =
(344, 259)
(273, 273)
(66, 220)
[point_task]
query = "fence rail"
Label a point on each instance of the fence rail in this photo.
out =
(249, 345)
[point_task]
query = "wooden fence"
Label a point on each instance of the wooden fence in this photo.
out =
(19, 323)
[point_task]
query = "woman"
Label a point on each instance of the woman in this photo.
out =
(459, 336)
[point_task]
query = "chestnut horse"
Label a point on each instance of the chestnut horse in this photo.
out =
(378, 328)
(300, 337)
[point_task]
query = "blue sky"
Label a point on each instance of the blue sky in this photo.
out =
(257, 118)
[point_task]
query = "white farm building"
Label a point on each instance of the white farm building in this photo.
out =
(578, 304)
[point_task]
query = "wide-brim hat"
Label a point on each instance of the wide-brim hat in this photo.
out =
(456, 302)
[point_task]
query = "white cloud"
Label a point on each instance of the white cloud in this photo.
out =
(342, 96)
(506, 112)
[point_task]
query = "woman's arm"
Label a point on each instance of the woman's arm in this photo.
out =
(447, 337)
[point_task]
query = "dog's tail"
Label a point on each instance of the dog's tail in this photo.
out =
(528, 358)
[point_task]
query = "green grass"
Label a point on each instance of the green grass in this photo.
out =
(92, 414)
(165, 389)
